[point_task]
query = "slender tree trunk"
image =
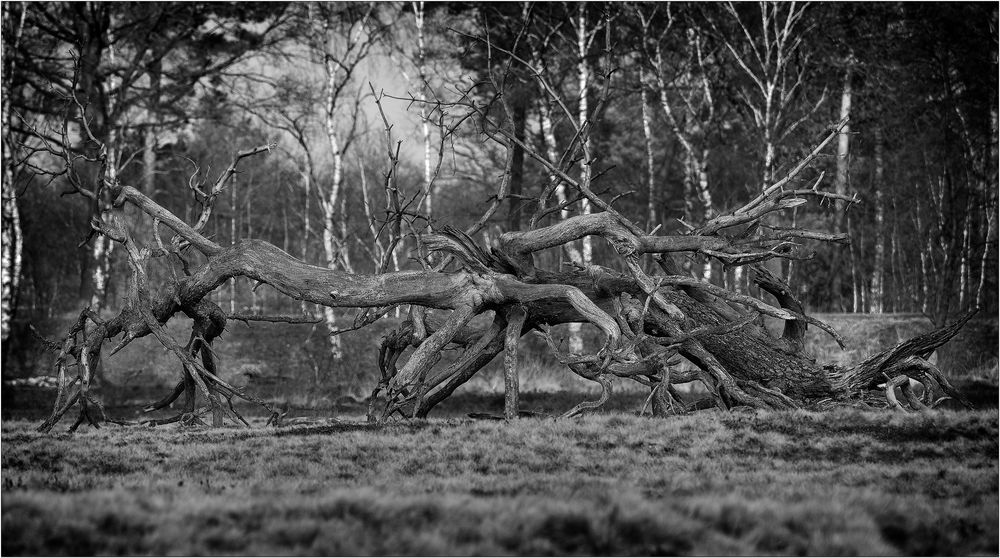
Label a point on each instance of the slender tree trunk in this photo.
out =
(419, 18)
(842, 181)
(12, 242)
(855, 280)
(520, 116)
(96, 110)
(705, 197)
(549, 138)
(991, 205)
(232, 240)
(965, 257)
(898, 288)
(769, 158)
(647, 133)
(12, 245)
(343, 249)
(332, 202)
(151, 131)
(690, 199)
(844, 147)
(583, 79)
(306, 229)
(104, 246)
(877, 287)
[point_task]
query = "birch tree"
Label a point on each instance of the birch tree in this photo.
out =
(771, 56)
(341, 39)
(685, 87)
(12, 240)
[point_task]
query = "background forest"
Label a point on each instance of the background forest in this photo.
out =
(699, 105)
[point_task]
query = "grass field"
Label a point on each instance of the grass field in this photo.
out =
(843, 482)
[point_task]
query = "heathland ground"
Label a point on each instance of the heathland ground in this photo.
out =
(840, 482)
(846, 481)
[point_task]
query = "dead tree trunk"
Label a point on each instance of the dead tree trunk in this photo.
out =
(649, 321)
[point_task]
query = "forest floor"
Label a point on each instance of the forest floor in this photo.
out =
(832, 483)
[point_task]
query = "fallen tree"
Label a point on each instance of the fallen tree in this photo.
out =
(649, 320)
(652, 315)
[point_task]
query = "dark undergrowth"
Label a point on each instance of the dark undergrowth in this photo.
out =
(842, 483)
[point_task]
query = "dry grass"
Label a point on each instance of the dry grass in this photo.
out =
(787, 483)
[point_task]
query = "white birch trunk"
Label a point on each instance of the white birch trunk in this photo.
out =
(103, 246)
(855, 284)
(583, 84)
(419, 17)
(647, 132)
(844, 145)
(331, 204)
(583, 78)
(11, 244)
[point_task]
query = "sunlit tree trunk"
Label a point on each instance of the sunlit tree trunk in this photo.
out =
(342, 43)
(331, 203)
(12, 243)
(842, 180)
(419, 18)
(856, 304)
(12, 240)
(103, 246)
(647, 134)
(586, 171)
(583, 79)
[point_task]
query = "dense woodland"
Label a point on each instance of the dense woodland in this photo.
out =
(342, 134)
